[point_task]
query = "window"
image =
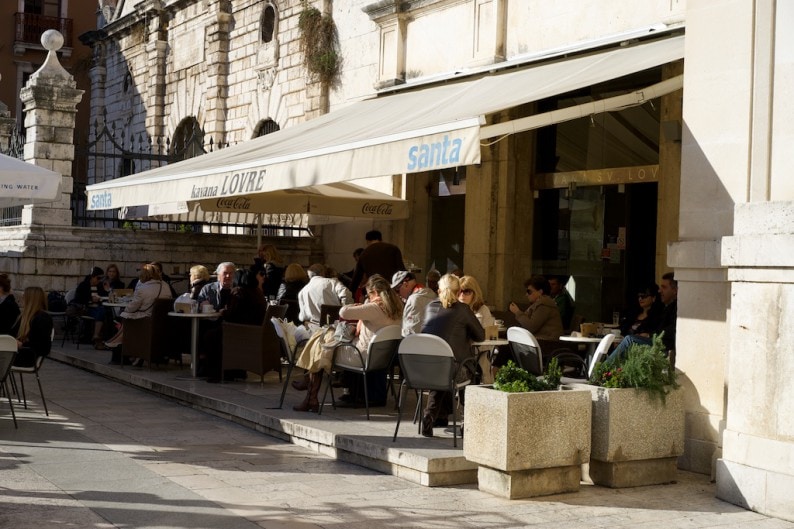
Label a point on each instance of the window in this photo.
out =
(269, 23)
(49, 8)
(188, 140)
(265, 127)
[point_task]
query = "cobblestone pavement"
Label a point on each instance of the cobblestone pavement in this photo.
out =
(114, 456)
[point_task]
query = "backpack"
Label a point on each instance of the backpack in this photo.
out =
(56, 302)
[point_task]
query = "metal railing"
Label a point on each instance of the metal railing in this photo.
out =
(29, 28)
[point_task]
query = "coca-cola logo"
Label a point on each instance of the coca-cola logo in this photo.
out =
(234, 203)
(376, 209)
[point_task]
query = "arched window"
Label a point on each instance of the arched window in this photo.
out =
(269, 23)
(188, 140)
(264, 127)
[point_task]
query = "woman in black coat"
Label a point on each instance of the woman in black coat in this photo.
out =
(9, 310)
(33, 329)
(455, 322)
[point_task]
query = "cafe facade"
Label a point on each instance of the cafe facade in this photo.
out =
(589, 139)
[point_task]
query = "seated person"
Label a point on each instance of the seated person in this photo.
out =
(112, 280)
(199, 278)
(668, 292)
(268, 262)
(542, 318)
(87, 296)
(319, 291)
(217, 293)
(562, 298)
(383, 308)
(455, 322)
(295, 278)
(33, 329)
(416, 299)
(643, 318)
(149, 288)
(246, 306)
(9, 310)
(471, 295)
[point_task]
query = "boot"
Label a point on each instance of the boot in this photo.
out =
(301, 385)
(310, 403)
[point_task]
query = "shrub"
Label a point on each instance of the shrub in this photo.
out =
(513, 379)
(645, 367)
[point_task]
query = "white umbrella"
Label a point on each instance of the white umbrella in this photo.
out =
(25, 183)
(324, 203)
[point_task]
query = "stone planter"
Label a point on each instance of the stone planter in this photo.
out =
(636, 438)
(527, 444)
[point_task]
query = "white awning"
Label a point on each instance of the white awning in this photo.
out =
(410, 132)
(26, 183)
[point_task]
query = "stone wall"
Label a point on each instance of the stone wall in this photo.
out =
(57, 258)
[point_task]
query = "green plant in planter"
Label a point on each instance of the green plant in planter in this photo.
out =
(513, 379)
(645, 367)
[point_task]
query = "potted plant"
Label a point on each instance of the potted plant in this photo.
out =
(528, 437)
(638, 419)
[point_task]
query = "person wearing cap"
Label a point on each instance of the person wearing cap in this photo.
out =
(416, 298)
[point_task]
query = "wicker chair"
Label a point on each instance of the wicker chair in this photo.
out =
(255, 348)
(149, 338)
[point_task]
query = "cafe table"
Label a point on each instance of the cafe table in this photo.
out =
(481, 351)
(194, 328)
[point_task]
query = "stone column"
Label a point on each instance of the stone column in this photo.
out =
(50, 99)
(217, 91)
(156, 60)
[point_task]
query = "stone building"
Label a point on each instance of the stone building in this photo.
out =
(561, 182)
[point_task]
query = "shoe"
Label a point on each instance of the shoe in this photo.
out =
(137, 363)
(99, 345)
(300, 385)
(112, 345)
(427, 426)
(441, 422)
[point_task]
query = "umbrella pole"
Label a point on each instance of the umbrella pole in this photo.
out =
(258, 231)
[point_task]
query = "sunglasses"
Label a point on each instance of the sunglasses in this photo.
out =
(466, 291)
(530, 292)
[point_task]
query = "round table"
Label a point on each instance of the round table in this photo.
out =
(194, 328)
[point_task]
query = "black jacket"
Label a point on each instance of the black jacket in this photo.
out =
(9, 312)
(457, 325)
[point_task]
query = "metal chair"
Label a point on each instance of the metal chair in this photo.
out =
(33, 370)
(526, 350)
(600, 353)
(428, 364)
(8, 351)
(290, 354)
(379, 357)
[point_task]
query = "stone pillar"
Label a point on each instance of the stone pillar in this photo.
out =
(156, 61)
(217, 91)
(392, 20)
(50, 100)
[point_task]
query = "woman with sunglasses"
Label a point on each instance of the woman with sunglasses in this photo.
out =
(471, 294)
(542, 318)
(644, 317)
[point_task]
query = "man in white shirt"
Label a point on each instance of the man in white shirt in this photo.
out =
(320, 291)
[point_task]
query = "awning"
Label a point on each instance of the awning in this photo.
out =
(26, 183)
(325, 203)
(410, 132)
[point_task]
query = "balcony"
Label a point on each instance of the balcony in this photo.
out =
(29, 28)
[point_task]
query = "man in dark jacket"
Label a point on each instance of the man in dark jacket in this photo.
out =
(378, 258)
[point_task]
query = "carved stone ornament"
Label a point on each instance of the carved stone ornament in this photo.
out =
(265, 79)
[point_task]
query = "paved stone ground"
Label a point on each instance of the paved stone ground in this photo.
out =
(114, 456)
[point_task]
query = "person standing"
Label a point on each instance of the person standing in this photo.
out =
(378, 257)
